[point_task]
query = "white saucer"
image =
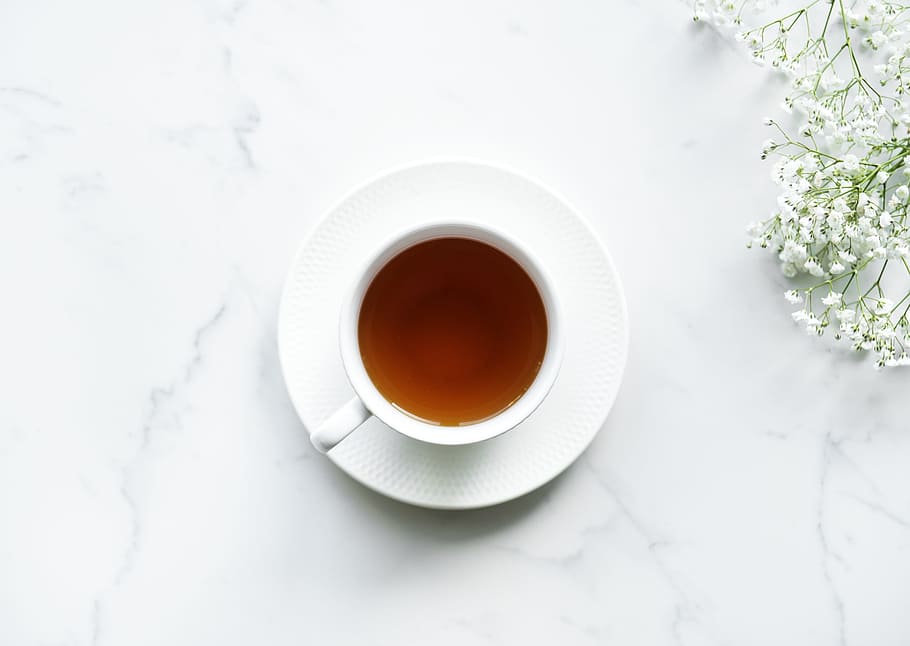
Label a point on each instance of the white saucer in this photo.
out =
(491, 472)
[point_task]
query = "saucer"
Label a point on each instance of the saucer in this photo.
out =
(542, 446)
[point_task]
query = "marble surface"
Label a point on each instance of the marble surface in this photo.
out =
(160, 162)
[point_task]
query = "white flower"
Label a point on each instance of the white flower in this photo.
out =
(836, 268)
(813, 268)
(833, 298)
(793, 252)
(835, 219)
(787, 211)
(902, 192)
(830, 80)
(884, 220)
(847, 257)
(812, 324)
(792, 296)
(850, 164)
(846, 315)
(883, 305)
(785, 171)
(788, 269)
(800, 316)
(882, 177)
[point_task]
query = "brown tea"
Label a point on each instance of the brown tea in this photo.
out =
(452, 331)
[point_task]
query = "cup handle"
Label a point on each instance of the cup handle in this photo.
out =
(339, 425)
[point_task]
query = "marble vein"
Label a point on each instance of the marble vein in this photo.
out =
(684, 608)
(158, 398)
(248, 121)
(31, 94)
(881, 510)
(827, 553)
(95, 630)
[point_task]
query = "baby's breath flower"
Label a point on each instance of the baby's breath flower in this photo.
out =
(842, 211)
(833, 298)
(846, 316)
(850, 164)
(813, 267)
(882, 305)
(755, 229)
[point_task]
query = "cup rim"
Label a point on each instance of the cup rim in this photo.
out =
(411, 426)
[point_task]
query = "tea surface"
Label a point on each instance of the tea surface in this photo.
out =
(452, 331)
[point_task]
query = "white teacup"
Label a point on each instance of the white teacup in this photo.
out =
(368, 401)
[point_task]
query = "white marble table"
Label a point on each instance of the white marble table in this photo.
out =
(159, 163)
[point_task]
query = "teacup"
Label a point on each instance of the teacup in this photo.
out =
(452, 334)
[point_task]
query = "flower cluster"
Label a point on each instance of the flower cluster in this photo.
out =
(841, 225)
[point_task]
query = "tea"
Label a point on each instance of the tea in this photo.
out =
(452, 331)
